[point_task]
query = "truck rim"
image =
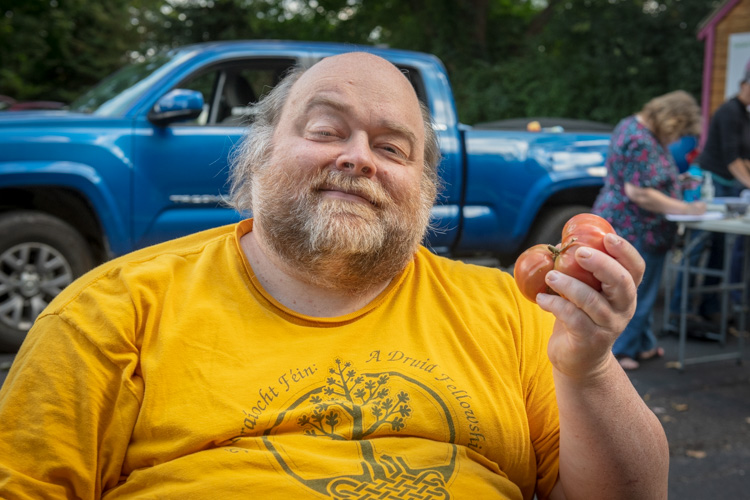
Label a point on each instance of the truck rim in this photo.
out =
(31, 275)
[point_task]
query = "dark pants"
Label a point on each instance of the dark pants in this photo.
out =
(639, 336)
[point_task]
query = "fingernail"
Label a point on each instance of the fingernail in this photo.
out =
(584, 252)
(612, 238)
(552, 276)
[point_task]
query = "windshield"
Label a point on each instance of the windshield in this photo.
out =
(115, 94)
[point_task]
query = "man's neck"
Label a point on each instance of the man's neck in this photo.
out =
(291, 289)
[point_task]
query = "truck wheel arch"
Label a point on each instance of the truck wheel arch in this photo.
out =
(548, 225)
(40, 255)
(64, 204)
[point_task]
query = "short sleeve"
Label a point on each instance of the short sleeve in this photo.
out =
(67, 412)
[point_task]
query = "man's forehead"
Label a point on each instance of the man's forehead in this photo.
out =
(360, 69)
(355, 62)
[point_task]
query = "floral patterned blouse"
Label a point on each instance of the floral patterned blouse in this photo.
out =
(637, 157)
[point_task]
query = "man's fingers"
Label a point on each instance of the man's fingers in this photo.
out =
(626, 255)
(579, 296)
(574, 319)
(616, 275)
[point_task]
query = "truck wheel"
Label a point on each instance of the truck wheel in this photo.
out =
(39, 256)
(548, 226)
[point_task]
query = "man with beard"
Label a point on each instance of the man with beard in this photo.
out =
(318, 351)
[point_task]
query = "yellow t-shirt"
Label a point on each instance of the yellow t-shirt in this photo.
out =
(171, 373)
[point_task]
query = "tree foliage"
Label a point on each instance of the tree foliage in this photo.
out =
(52, 49)
(589, 59)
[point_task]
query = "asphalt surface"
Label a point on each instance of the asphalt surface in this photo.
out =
(705, 411)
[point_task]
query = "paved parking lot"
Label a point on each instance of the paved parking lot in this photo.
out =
(705, 411)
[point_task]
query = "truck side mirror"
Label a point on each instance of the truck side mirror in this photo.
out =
(176, 105)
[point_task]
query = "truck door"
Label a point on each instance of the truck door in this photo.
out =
(433, 89)
(181, 170)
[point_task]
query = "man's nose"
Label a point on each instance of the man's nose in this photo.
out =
(357, 157)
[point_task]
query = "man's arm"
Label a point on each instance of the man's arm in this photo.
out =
(611, 444)
(66, 415)
(740, 169)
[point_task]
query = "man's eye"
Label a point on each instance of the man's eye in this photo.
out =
(322, 133)
(391, 149)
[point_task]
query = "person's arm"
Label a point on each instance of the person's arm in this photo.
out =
(655, 201)
(66, 415)
(740, 169)
(611, 444)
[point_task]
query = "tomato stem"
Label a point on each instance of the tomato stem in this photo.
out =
(570, 242)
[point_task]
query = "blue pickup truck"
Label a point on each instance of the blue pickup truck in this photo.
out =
(143, 157)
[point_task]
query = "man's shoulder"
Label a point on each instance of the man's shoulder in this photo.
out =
(729, 108)
(179, 247)
(458, 272)
(150, 262)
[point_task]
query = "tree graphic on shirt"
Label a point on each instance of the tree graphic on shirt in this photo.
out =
(355, 394)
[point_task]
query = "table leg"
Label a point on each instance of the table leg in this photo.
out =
(684, 300)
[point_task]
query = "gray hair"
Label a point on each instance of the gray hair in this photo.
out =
(254, 151)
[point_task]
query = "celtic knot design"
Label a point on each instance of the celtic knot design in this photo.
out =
(400, 483)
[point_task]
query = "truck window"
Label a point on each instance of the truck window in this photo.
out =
(416, 81)
(229, 89)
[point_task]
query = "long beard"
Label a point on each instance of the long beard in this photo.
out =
(339, 244)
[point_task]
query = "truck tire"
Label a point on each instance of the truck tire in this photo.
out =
(39, 256)
(548, 226)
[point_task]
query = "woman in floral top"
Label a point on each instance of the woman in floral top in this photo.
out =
(641, 186)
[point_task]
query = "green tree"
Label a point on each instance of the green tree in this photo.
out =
(589, 59)
(592, 59)
(52, 49)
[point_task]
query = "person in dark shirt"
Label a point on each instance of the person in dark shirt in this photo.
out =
(726, 153)
(726, 158)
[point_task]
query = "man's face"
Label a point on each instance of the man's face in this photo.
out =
(343, 192)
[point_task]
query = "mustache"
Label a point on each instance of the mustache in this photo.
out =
(347, 183)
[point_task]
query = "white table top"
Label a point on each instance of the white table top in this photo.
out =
(716, 219)
(735, 225)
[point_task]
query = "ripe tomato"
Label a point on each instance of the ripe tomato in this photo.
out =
(587, 229)
(530, 269)
(582, 230)
(566, 263)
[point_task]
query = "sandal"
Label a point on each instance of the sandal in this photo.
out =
(628, 363)
(656, 352)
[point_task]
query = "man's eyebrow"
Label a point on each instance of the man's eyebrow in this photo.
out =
(401, 130)
(327, 102)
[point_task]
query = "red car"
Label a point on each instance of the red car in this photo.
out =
(10, 104)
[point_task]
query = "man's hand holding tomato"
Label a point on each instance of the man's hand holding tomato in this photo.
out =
(589, 321)
(595, 274)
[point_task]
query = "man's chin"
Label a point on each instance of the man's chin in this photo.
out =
(348, 237)
(337, 208)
